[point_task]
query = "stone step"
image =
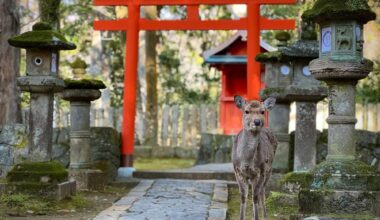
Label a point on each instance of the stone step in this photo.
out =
(193, 175)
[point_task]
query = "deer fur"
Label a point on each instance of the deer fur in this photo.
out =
(252, 154)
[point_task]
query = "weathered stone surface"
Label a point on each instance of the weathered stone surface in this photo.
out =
(339, 202)
(186, 200)
(93, 180)
(215, 148)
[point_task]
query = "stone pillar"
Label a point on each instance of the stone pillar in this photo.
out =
(80, 103)
(305, 140)
(80, 93)
(341, 120)
(279, 124)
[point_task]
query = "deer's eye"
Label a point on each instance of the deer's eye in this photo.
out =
(263, 112)
(247, 112)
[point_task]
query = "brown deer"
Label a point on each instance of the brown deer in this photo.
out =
(252, 154)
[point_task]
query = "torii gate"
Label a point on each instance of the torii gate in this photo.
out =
(253, 23)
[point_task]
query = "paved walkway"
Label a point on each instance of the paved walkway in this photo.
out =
(168, 199)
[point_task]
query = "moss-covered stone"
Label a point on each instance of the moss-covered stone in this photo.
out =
(282, 203)
(302, 179)
(326, 10)
(339, 202)
(345, 175)
(268, 92)
(40, 26)
(78, 63)
(269, 56)
(42, 36)
(84, 84)
(38, 172)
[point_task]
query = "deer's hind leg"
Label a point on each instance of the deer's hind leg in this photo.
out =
(243, 188)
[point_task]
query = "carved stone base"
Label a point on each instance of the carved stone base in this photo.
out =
(86, 179)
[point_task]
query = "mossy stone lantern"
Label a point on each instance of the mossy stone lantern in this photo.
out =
(341, 184)
(278, 75)
(306, 91)
(42, 46)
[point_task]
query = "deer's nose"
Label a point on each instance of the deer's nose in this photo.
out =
(257, 122)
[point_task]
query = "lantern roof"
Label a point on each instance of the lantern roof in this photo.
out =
(42, 36)
(327, 10)
(302, 49)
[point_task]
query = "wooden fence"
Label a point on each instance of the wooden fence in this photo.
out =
(182, 125)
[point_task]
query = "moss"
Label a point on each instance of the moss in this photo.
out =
(34, 171)
(78, 64)
(269, 56)
(39, 26)
(25, 202)
(41, 37)
(267, 92)
(282, 203)
(302, 179)
(340, 9)
(282, 36)
(84, 84)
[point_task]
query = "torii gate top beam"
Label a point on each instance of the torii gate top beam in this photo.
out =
(253, 23)
(188, 2)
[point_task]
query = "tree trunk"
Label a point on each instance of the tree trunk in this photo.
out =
(9, 63)
(49, 12)
(151, 41)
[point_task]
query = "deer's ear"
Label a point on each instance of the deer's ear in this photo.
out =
(269, 103)
(240, 101)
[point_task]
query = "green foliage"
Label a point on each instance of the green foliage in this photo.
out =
(368, 90)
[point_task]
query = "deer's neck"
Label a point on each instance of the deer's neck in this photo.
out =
(250, 138)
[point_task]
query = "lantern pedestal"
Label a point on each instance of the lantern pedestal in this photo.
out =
(80, 93)
(341, 184)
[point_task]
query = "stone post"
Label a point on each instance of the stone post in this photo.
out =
(80, 93)
(341, 65)
(41, 81)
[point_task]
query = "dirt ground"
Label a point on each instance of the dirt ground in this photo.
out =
(85, 205)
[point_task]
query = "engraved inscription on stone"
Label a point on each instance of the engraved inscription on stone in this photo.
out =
(344, 38)
(326, 39)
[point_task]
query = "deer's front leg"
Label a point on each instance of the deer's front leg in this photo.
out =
(255, 199)
(243, 187)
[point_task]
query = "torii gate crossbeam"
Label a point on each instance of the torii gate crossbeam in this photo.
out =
(253, 23)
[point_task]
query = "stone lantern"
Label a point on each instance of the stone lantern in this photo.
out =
(307, 92)
(342, 184)
(80, 94)
(278, 75)
(42, 46)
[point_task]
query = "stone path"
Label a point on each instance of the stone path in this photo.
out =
(167, 199)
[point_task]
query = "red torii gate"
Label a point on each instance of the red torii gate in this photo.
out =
(253, 23)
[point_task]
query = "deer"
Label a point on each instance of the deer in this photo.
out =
(252, 153)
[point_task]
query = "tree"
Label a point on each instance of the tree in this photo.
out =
(151, 41)
(10, 110)
(49, 12)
